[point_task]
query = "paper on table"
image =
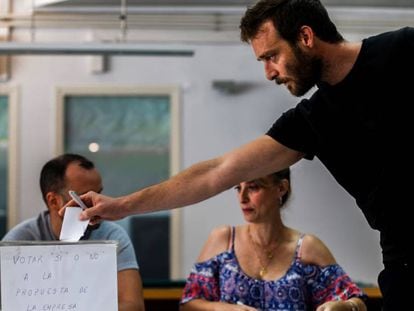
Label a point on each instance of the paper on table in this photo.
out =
(58, 275)
(73, 228)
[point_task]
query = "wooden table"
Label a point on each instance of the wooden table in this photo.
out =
(167, 298)
(163, 293)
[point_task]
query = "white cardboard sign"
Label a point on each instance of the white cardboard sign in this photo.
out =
(59, 276)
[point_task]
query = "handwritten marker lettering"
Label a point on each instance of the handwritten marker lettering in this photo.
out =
(27, 260)
(52, 277)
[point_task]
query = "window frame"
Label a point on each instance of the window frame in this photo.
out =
(175, 140)
(13, 154)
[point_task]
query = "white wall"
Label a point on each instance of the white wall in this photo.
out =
(212, 123)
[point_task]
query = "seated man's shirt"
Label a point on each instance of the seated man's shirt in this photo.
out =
(40, 229)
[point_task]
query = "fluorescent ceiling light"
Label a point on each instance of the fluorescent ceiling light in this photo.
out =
(13, 48)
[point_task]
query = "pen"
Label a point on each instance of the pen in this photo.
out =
(77, 199)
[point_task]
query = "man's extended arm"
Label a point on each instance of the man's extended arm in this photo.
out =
(197, 183)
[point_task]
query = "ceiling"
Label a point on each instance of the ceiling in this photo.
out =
(186, 20)
(194, 19)
(216, 3)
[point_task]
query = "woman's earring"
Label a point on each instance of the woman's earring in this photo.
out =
(280, 201)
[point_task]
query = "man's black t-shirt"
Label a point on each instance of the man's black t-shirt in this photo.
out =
(361, 130)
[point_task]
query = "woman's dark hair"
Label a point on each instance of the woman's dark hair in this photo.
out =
(276, 178)
(288, 16)
(52, 176)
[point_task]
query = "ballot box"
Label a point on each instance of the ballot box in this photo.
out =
(56, 276)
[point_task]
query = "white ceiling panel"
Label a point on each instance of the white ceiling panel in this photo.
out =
(243, 3)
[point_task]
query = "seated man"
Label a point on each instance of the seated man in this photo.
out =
(74, 172)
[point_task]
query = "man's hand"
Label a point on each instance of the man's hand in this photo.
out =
(100, 207)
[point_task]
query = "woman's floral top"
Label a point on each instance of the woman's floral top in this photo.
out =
(303, 287)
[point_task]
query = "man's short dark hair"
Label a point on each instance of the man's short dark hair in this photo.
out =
(52, 176)
(288, 16)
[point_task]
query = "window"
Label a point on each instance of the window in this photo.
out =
(131, 134)
(4, 139)
(8, 158)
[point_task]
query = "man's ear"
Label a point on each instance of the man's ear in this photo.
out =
(54, 201)
(306, 36)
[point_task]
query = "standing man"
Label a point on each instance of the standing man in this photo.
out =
(357, 123)
(74, 172)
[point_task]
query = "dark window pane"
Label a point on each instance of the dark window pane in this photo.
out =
(4, 139)
(128, 138)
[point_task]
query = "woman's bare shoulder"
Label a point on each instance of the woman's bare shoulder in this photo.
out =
(314, 251)
(217, 242)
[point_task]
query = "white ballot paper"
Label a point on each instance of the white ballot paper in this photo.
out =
(73, 228)
(75, 276)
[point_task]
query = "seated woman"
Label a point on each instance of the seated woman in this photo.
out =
(264, 265)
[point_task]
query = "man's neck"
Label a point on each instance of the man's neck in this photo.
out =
(56, 225)
(338, 60)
